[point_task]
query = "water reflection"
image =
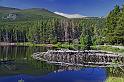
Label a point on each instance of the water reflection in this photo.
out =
(83, 75)
(30, 70)
(18, 52)
(22, 63)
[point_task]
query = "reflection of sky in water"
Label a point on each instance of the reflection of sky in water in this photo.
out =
(83, 75)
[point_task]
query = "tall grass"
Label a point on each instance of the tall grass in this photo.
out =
(115, 79)
(108, 48)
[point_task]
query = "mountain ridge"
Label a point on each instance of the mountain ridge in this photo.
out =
(7, 13)
(14, 14)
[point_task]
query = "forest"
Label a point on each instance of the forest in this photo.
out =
(42, 28)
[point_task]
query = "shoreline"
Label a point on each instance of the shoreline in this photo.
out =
(7, 44)
(24, 44)
(66, 46)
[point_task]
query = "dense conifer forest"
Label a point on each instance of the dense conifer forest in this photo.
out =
(42, 26)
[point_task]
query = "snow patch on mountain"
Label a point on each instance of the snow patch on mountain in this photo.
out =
(70, 15)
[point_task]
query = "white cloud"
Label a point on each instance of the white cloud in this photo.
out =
(70, 15)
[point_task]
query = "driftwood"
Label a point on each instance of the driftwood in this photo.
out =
(80, 58)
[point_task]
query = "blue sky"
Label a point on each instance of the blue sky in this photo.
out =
(83, 7)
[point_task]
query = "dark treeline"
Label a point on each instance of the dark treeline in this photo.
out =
(48, 30)
(52, 30)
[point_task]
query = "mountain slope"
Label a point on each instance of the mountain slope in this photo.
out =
(13, 14)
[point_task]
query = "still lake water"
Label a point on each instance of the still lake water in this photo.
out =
(30, 70)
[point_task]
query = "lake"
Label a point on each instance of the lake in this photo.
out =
(22, 67)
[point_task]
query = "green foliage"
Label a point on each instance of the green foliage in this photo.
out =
(82, 41)
(114, 31)
(49, 31)
(86, 39)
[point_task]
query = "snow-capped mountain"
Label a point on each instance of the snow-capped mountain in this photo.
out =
(70, 15)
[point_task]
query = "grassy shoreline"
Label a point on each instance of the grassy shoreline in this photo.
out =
(76, 46)
(109, 48)
(115, 79)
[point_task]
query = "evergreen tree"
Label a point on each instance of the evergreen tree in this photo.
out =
(86, 39)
